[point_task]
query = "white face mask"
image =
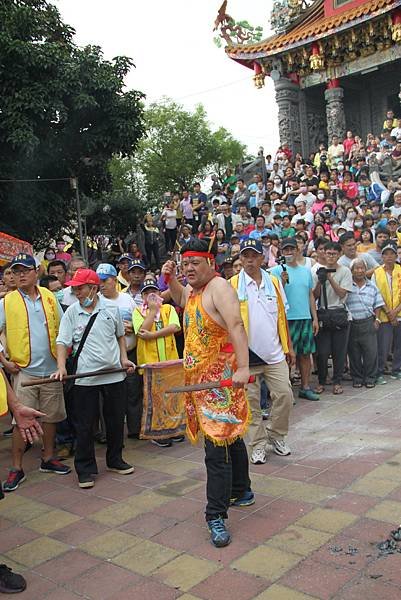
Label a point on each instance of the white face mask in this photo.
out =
(321, 196)
(340, 167)
(358, 223)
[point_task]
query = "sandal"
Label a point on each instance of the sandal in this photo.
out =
(357, 385)
(337, 389)
(319, 389)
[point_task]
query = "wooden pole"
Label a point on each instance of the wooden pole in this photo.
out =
(30, 382)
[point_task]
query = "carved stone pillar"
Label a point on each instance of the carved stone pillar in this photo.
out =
(335, 114)
(287, 97)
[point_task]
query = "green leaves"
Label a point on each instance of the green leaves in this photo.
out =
(180, 148)
(64, 111)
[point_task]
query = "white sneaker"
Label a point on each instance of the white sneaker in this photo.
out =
(258, 457)
(280, 447)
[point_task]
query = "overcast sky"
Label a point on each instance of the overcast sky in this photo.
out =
(171, 43)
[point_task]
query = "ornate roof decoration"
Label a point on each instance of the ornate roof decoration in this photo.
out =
(311, 26)
(285, 12)
(235, 32)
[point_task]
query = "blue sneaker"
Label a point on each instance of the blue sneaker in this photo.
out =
(247, 499)
(219, 535)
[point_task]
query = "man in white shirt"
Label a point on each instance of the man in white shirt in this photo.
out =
(305, 196)
(396, 131)
(126, 306)
(270, 351)
(396, 208)
(302, 213)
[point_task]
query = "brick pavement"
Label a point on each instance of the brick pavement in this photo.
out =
(312, 533)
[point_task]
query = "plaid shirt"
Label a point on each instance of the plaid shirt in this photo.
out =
(362, 301)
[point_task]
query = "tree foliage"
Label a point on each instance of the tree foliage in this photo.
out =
(64, 112)
(180, 147)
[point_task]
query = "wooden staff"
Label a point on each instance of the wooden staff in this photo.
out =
(206, 385)
(30, 382)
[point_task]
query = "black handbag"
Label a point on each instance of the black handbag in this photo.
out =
(331, 319)
(72, 361)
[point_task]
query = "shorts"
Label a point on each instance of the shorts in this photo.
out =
(46, 397)
(302, 337)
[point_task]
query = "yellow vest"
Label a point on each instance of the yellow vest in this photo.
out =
(282, 326)
(17, 325)
(151, 351)
(391, 299)
(3, 395)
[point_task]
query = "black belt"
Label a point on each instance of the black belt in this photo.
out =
(362, 320)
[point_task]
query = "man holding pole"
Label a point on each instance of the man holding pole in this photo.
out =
(103, 348)
(220, 414)
(30, 317)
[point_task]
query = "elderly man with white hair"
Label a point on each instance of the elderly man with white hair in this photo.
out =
(396, 208)
(363, 304)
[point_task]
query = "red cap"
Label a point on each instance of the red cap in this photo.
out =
(84, 276)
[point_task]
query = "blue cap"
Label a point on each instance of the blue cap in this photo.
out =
(148, 284)
(105, 270)
(125, 257)
(250, 244)
(26, 260)
(136, 262)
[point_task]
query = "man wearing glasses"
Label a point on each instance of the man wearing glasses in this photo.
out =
(30, 317)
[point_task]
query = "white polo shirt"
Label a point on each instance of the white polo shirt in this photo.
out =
(263, 338)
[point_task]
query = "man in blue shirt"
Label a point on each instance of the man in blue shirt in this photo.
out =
(301, 316)
(260, 229)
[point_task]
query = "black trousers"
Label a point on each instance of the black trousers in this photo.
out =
(170, 236)
(362, 351)
(134, 398)
(86, 402)
(227, 470)
(334, 343)
(152, 249)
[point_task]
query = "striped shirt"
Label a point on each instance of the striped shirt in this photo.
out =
(362, 301)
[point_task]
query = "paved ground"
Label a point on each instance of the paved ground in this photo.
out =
(311, 534)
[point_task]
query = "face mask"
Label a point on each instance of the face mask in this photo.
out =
(50, 256)
(340, 168)
(321, 196)
(303, 190)
(358, 223)
(289, 258)
(351, 216)
(59, 295)
(88, 301)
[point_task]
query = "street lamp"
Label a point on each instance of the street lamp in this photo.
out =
(82, 245)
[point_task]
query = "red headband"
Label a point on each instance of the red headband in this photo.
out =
(195, 253)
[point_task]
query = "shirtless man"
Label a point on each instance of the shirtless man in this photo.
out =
(221, 415)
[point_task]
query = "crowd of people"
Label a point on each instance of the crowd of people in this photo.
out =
(301, 266)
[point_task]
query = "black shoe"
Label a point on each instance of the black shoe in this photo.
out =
(54, 466)
(85, 481)
(178, 439)
(100, 438)
(14, 479)
(162, 443)
(133, 436)
(122, 468)
(8, 432)
(11, 583)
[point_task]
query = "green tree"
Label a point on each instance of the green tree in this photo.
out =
(64, 112)
(180, 148)
(116, 212)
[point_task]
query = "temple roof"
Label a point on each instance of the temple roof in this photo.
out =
(311, 26)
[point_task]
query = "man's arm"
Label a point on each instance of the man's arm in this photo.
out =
(25, 417)
(176, 289)
(313, 312)
(226, 302)
(341, 292)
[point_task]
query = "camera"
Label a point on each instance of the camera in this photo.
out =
(281, 261)
(322, 274)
